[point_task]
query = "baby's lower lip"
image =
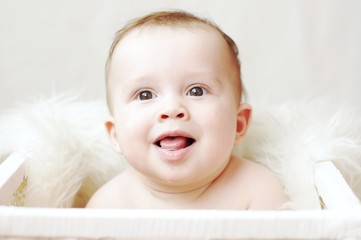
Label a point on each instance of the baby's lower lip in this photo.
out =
(173, 155)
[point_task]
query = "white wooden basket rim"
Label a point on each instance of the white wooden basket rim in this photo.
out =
(179, 224)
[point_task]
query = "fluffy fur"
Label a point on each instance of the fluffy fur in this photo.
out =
(70, 156)
(291, 138)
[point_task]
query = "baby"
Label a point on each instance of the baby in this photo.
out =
(174, 91)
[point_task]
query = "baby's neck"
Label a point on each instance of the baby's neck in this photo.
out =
(170, 196)
(164, 195)
(179, 198)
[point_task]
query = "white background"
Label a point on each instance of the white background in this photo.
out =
(290, 50)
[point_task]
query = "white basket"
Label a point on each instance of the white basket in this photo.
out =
(341, 219)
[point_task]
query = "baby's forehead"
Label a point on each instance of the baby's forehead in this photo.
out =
(163, 30)
(175, 42)
(142, 42)
(193, 39)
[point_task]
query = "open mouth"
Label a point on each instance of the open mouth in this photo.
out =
(174, 143)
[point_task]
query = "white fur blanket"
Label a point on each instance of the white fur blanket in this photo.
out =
(70, 156)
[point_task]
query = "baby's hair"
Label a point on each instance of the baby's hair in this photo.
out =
(167, 18)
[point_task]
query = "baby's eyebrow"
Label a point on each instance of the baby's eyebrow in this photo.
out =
(206, 78)
(131, 84)
(202, 75)
(140, 80)
(209, 78)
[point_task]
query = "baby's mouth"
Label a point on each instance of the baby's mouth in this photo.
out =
(174, 143)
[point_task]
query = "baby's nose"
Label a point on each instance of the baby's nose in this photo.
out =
(174, 111)
(165, 116)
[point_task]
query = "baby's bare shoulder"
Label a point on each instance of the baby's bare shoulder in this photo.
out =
(265, 189)
(111, 194)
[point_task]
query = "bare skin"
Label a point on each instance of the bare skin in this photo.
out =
(232, 186)
(176, 118)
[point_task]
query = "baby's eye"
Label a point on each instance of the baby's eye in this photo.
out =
(145, 95)
(196, 91)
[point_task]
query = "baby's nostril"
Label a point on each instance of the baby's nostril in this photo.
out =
(181, 115)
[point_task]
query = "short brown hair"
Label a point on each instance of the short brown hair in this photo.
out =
(167, 18)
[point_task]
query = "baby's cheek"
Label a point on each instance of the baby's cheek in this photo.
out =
(225, 118)
(223, 129)
(131, 131)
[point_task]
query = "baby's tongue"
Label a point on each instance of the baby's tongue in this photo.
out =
(173, 143)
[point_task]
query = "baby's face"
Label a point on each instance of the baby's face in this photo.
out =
(175, 104)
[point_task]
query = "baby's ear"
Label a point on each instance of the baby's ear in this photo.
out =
(112, 133)
(243, 120)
